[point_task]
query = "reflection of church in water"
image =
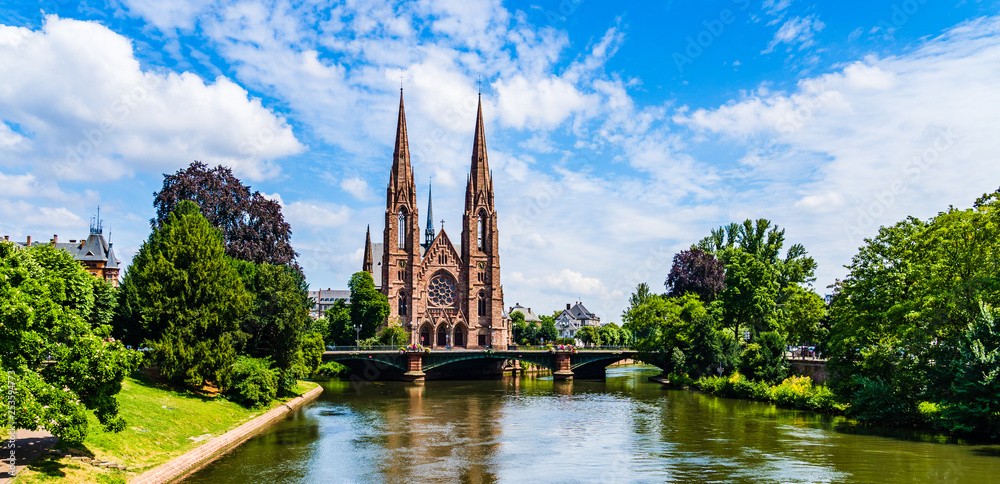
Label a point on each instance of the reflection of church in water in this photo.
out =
(441, 295)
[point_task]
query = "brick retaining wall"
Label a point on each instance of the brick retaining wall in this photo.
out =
(203, 454)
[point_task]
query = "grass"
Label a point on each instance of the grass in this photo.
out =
(162, 424)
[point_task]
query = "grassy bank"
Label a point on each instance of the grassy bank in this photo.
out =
(162, 424)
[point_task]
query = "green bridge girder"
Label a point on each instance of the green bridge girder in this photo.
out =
(442, 358)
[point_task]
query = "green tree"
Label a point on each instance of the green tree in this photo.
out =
(369, 307)
(547, 331)
(589, 335)
(749, 296)
(48, 312)
(520, 327)
(803, 310)
(279, 315)
(339, 329)
(972, 404)
(184, 298)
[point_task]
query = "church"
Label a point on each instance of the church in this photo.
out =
(441, 295)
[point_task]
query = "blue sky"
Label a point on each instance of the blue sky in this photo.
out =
(618, 132)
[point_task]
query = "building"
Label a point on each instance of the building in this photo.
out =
(442, 295)
(324, 299)
(95, 253)
(574, 317)
(529, 317)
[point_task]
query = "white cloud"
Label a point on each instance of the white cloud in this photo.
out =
(539, 103)
(93, 113)
(357, 187)
(866, 146)
(797, 30)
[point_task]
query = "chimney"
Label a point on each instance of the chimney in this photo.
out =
(567, 306)
(6, 238)
(55, 239)
(29, 241)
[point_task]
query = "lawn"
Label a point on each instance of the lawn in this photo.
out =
(162, 424)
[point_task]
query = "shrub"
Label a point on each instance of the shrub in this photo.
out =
(565, 341)
(254, 382)
(877, 401)
(793, 392)
(824, 400)
(930, 412)
(711, 384)
(680, 380)
(332, 369)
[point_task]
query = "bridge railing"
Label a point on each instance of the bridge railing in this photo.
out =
(509, 348)
(362, 348)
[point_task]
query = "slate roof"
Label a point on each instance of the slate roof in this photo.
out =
(328, 296)
(92, 249)
(529, 317)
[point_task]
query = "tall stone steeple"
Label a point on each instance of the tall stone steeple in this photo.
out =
(480, 246)
(401, 246)
(368, 262)
(479, 191)
(401, 184)
(429, 231)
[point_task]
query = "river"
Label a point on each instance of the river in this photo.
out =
(624, 429)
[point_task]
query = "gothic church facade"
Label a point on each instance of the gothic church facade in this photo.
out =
(441, 295)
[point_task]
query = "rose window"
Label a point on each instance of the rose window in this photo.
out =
(441, 291)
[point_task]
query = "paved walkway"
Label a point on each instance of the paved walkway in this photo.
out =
(30, 445)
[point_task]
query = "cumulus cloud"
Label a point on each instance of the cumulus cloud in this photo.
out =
(95, 114)
(867, 145)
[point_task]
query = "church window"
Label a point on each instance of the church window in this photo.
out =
(402, 229)
(402, 303)
(441, 291)
(480, 223)
(482, 304)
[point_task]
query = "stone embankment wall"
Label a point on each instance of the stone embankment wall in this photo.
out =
(213, 448)
(815, 369)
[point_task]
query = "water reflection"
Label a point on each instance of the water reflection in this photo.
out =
(539, 430)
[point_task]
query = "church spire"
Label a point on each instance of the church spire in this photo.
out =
(429, 233)
(367, 265)
(480, 178)
(401, 186)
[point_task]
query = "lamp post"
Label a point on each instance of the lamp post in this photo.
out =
(357, 335)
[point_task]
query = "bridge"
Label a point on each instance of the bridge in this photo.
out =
(388, 364)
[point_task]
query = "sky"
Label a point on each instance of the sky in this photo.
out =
(619, 133)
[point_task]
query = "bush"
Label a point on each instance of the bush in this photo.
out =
(793, 392)
(332, 369)
(824, 400)
(565, 341)
(254, 382)
(796, 392)
(877, 401)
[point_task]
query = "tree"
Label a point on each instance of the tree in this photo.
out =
(763, 240)
(340, 332)
(368, 307)
(517, 322)
(589, 335)
(698, 272)
(548, 332)
(749, 296)
(49, 313)
(183, 297)
(972, 404)
(252, 226)
(803, 309)
(279, 315)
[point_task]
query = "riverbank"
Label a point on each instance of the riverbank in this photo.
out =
(162, 424)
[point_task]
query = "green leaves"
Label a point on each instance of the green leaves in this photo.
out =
(183, 297)
(49, 311)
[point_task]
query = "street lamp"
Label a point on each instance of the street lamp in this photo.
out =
(357, 334)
